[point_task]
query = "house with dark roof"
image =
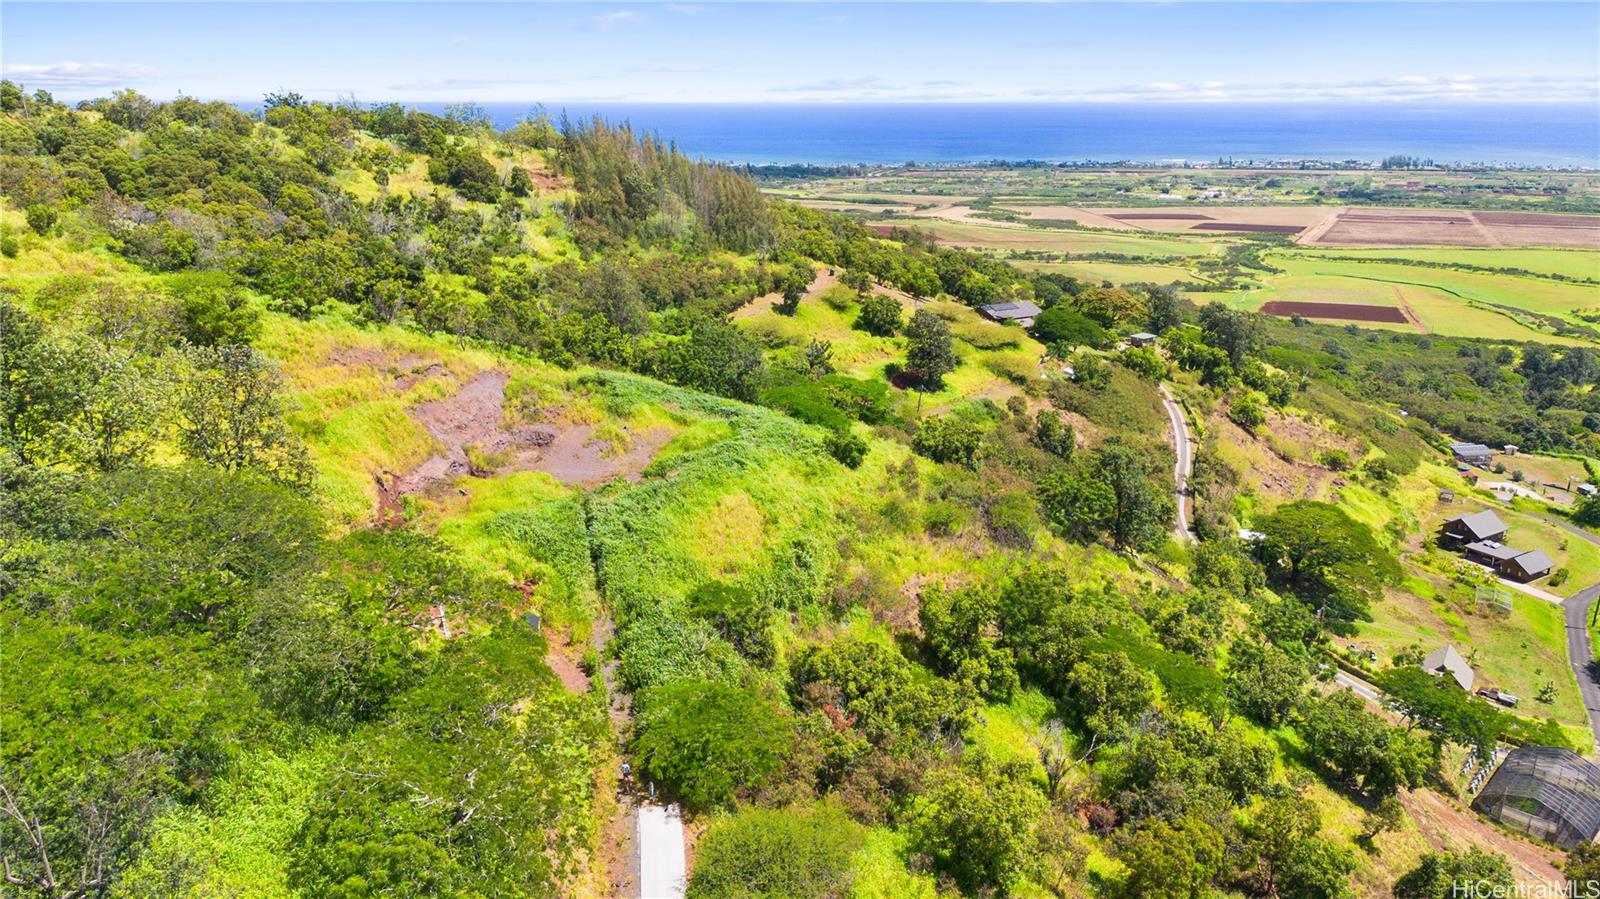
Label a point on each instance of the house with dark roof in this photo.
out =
(1490, 553)
(1023, 312)
(1510, 562)
(1474, 528)
(1472, 453)
(1535, 563)
(1446, 662)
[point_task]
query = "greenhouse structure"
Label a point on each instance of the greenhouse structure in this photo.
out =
(1545, 792)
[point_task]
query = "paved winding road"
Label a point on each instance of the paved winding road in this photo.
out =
(1184, 450)
(1579, 652)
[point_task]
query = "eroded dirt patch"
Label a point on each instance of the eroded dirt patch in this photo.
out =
(575, 457)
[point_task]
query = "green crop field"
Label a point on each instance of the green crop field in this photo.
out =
(1570, 263)
(1447, 301)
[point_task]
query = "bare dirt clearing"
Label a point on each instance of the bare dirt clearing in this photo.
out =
(470, 419)
(1447, 826)
(469, 429)
(576, 458)
(1412, 227)
(1357, 312)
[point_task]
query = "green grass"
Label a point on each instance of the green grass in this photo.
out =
(1518, 653)
(880, 869)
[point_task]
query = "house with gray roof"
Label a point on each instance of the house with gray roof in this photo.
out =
(1535, 563)
(1474, 528)
(1446, 662)
(1472, 453)
(1022, 312)
(1490, 553)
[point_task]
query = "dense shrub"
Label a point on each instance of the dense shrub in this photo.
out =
(799, 852)
(706, 741)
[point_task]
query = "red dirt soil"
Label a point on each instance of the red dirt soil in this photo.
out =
(1160, 216)
(1245, 226)
(1359, 312)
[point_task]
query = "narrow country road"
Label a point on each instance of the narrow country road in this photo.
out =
(1357, 686)
(662, 871)
(1184, 450)
(1579, 650)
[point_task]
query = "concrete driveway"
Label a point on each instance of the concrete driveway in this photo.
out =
(663, 873)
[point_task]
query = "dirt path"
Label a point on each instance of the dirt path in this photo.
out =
(1446, 825)
(824, 279)
(1407, 311)
(1311, 235)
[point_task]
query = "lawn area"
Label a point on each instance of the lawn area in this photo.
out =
(1520, 652)
(994, 359)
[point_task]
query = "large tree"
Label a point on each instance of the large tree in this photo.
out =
(930, 352)
(1325, 557)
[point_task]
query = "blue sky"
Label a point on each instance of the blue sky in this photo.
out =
(812, 52)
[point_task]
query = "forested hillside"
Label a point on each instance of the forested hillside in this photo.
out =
(377, 483)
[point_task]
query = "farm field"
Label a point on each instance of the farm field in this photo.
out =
(1158, 186)
(1444, 301)
(1365, 226)
(1201, 217)
(1571, 263)
(1115, 272)
(1002, 237)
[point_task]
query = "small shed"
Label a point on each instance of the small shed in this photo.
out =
(1472, 453)
(1587, 490)
(1549, 793)
(1511, 449)
(1022, 312)
(1143, 338)
(1446, 662)
(1535, 563)
(1473, 528)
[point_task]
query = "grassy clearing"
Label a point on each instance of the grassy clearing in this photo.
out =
(1519, 653)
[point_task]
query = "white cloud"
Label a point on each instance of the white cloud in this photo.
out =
(76, 74)
(610, 20)
(1522, 88)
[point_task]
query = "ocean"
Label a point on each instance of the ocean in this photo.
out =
(1553, 135)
